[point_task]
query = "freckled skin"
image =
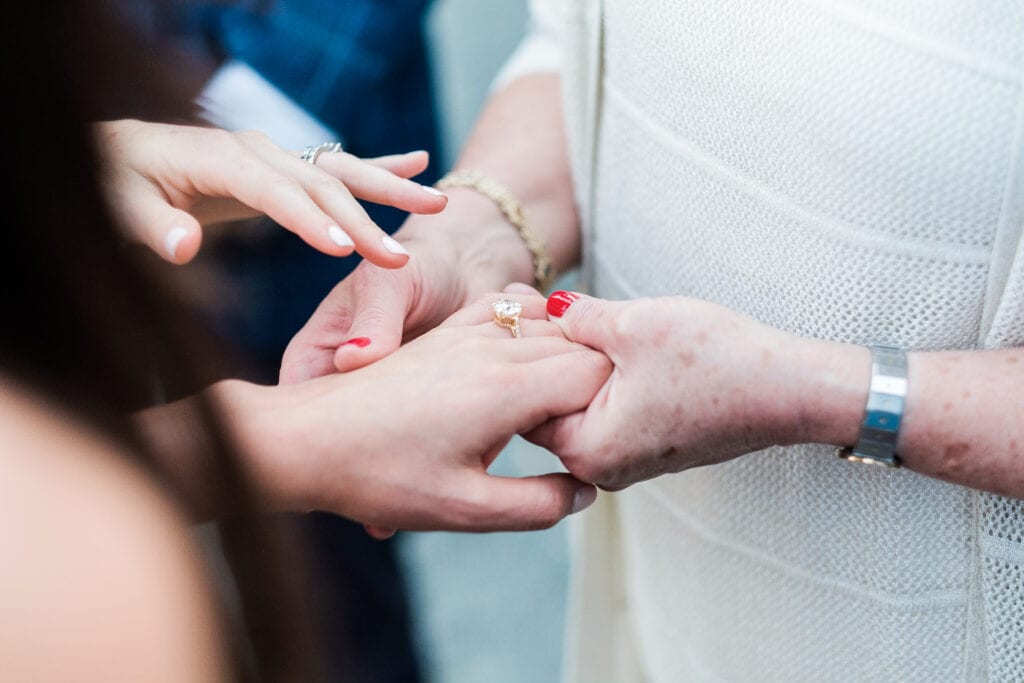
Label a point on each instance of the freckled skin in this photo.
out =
(953, 456)
(696, 384)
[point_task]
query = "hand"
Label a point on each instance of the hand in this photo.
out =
(371, 312)
(166, 181)
(406, 442)
(693, 384)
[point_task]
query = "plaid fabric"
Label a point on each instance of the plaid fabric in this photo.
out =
(359, 66)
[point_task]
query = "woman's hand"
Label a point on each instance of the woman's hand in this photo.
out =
(406, 442)
(369, 314)
(694, 384)
(167, 181)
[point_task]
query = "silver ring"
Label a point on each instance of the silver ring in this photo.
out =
(313, 152)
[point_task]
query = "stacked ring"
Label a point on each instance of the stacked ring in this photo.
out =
(311, 153)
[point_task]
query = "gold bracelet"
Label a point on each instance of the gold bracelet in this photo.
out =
(512, 210)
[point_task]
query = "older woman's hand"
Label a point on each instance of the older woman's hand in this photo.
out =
(693, 384)
(166, 181)
(406, 442)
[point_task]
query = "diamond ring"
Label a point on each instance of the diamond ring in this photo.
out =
(506, 314)
(310, 154)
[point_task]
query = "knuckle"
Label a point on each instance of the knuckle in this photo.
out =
(254, 137)
(282, 188)
(326, 185)
(546, 511)
(467, 508)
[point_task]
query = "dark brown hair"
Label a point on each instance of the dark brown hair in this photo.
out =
(82, 322)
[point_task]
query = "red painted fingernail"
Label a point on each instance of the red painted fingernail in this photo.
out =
(360, 342)
(559, 302)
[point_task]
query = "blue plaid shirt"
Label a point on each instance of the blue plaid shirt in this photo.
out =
(360, 66)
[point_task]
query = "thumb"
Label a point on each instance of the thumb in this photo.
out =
(529, 503)
(582, 318)
(376, 330)
(172, 233)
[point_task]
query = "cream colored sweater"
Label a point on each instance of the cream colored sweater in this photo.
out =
(843, 169)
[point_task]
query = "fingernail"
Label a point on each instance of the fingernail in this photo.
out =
(583, 499)
(432, 190)
(359, 342)
(173, 239)
(339, 236)
(559, 302)
(394, 247)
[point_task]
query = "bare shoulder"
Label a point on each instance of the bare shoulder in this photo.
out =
(99, 580)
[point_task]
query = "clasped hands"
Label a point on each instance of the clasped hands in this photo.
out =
(412, 391)
(619, 391)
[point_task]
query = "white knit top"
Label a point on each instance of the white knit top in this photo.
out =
(843, 169)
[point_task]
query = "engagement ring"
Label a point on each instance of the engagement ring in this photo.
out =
(506, 314)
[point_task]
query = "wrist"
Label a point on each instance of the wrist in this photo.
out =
(488, 248)
(830, 383)
(253, 417)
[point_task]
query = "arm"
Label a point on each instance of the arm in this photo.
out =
(99, 579)
(696, 384)
(467, 250)
(964, 418)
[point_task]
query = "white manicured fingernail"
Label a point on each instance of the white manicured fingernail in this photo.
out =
(583, 499)
(393, 246)
(432, 190)
(173, 239)
(339, 237)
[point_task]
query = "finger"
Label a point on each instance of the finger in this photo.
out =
(528, 329)
(582, 318)
(173, 234)
(285, 200)
(566, 383)
(310, 353)
(521, 288)
(481, 310)
(560, 435)
(379, 533)
(372, 183)
(307, 201)
(523, 504)
(405, 165)
(377, 324)
(373, 243)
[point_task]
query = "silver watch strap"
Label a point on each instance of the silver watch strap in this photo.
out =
(880, 430)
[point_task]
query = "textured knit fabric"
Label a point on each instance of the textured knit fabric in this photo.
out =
(843, 169)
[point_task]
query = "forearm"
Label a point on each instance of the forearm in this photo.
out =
(519, 140)
(963, 420)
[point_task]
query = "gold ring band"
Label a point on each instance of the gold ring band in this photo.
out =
(506, 314)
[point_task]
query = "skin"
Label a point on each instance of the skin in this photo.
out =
(167, 181)
(107, 585)
(346, 444)
(457, 255)
(694, 383)
(729, 385)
